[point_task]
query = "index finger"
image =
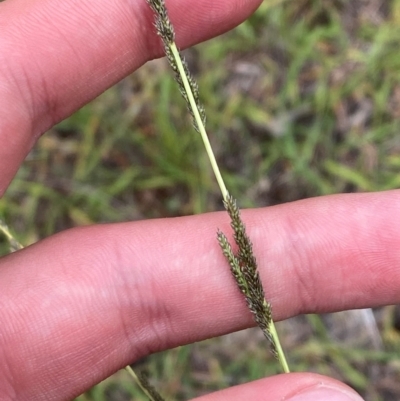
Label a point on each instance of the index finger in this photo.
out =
(84, 303)
(55, 56)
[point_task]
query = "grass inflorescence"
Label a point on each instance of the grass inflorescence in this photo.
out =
(244, 269)
(243, 265)
(187, 85)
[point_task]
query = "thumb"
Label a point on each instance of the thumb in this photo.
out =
(287, 387)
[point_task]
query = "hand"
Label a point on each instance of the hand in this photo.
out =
(82, 304)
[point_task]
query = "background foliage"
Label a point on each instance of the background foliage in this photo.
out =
(303, 99)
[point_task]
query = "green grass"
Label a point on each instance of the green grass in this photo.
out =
(302, 100)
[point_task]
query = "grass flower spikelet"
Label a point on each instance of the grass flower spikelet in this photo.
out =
(243, 265)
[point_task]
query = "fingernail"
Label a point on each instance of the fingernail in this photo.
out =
(324, 393)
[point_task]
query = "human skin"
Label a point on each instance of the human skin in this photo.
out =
(84, 303)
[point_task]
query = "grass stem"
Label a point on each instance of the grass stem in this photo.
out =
(199, 121)
(279, 350)
(144, 385)
(14, 244)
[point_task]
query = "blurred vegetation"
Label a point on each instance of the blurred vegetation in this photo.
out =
(303, 99)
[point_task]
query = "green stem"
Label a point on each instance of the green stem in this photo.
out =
(5, 230)
(279, 350)
(199, 121)
(144, 385)
(14, 244)
(138, 382)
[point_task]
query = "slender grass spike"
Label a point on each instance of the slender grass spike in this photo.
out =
(243, 265)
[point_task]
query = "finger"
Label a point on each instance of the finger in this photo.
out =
(81, 304)
(56, 56)
(288, 387)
